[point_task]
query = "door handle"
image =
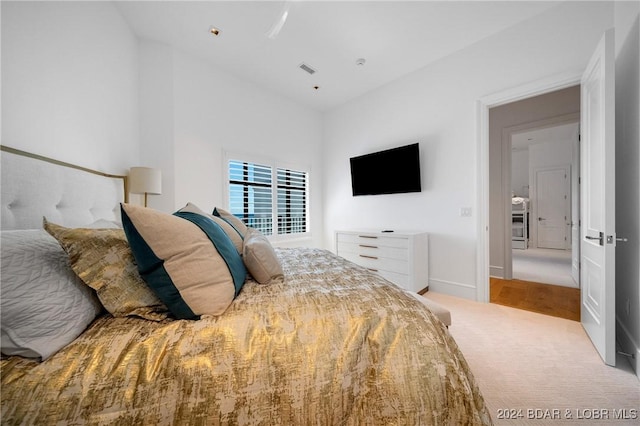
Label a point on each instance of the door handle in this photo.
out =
(621, 239)
(600, 238)
(541, 218)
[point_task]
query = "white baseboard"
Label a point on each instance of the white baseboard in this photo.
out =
(628, 345)
(496, 271)
(465, 291)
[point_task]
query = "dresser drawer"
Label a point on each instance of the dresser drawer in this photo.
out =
(400, 266)
(373, 249)
(373, 240)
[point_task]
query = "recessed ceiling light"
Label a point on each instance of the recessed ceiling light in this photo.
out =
(316, 87)
(214, 31)
(360, 61)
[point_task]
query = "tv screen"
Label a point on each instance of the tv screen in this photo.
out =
(391, 171)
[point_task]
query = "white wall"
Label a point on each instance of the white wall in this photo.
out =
(628, 178)
(520, 173)
(436, 106)
(156, 118)
(550, 154)
(69, 83)
(545, 154)
(203, 112)
(80, 87)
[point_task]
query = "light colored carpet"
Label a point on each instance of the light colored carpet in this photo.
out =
(526, 361)
(545, 266)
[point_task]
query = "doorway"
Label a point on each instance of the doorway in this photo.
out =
(532, 155)
(545, 203)
(597, 191)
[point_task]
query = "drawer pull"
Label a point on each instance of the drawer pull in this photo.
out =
(368, 236)
(366, 246)
(368, 257)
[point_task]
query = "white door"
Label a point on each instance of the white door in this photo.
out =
(552, 201)
(597, 242)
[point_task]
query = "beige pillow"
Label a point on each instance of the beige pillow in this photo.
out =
(240, 227)
(186, 258)
(226, 227)
(260, 258)
(102, 259)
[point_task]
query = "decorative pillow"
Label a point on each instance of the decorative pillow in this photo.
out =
(236, 223)
(102, 258)
(226, 227)
(260, 258)
(44, 305)
(186, 258)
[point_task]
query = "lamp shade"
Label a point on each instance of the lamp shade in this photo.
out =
(145, 180)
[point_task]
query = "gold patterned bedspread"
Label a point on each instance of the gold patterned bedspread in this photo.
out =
(333, 344)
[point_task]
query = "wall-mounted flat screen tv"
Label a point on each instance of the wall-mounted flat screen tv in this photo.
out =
(392, 171)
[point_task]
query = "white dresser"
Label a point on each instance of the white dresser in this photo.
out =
(400, 257)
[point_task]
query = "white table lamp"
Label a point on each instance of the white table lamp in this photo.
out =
(145, 180)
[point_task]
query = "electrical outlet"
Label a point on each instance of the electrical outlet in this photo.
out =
(465, 212)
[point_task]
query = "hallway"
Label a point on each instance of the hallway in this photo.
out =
(547, 266)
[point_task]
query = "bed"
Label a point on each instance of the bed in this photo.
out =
(322, 341)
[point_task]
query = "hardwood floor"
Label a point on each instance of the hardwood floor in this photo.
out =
(557, 301)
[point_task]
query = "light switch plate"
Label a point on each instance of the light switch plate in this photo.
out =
(465, 211)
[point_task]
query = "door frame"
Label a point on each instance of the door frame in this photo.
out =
(535, 88)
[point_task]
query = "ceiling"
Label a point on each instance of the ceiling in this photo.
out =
(395, 38)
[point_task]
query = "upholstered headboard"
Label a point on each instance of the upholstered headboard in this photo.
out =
(33, 186)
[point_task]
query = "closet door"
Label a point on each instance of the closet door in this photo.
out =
(553, 202)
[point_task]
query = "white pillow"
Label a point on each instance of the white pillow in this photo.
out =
(44, 305)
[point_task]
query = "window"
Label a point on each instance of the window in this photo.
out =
(254, 187)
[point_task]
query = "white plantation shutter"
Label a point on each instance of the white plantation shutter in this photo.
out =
(250, 194)
(252, 191)
(292, 201)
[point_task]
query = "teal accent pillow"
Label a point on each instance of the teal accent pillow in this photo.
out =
(226, 227)
(222, 243)
(187, 260)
